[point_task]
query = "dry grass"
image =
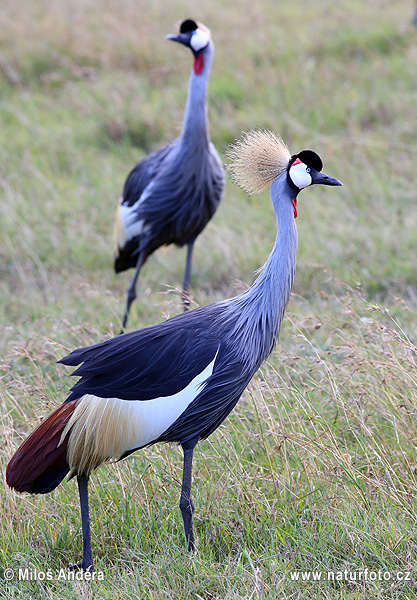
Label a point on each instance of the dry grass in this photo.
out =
(315, 468)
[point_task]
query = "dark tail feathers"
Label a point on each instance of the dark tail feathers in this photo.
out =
(39, 464)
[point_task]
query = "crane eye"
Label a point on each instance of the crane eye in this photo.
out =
(308, 170)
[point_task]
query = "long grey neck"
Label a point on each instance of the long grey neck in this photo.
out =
(261, 308)
(195, 130)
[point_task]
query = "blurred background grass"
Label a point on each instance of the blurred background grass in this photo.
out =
(315, 469)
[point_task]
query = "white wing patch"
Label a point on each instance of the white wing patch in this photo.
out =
(132, 226)
(127, 224)
(104, 428)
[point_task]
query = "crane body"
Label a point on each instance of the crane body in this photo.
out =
(171, 195)
(178, 380)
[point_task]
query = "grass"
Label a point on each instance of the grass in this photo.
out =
(315, 468)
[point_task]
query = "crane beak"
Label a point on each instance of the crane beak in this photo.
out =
(323, 179)
(182, 38)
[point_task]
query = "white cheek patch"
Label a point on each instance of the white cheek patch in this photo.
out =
(199, 39)
(299, 175)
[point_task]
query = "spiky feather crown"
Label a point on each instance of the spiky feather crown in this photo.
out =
(256, 159)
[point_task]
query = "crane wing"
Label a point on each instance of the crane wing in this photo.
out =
(160, 360)
(143, 173)
(182, 198)
(169, 198)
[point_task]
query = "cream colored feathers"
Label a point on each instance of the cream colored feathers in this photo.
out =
(256, 159)
(101, 429)
(119, 235)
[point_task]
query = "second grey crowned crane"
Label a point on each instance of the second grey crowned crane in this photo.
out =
(178, 380)
(170, 196)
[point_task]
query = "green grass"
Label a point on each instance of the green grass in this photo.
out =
(315, 469)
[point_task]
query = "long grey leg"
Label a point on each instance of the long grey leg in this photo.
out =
(187, 277)
(131, 292)
(87, 562)
(186, 504)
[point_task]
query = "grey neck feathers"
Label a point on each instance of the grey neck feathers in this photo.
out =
(261, 308)
(195, 131)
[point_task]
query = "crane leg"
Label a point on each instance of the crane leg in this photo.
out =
(87, 562)
(187, 276)
(131, 292)
(186, 504)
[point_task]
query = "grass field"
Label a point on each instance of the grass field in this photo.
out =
(315, 470)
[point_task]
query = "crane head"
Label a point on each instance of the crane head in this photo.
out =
(260, 156)
(196, 37)
(304, 169)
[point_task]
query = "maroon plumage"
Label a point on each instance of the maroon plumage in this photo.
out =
(40, 463)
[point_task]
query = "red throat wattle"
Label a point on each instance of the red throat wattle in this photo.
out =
(294, 203)
(198, 64)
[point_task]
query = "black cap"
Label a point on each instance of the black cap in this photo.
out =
(309, 158)
(188, 25)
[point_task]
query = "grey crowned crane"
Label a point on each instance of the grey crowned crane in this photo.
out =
(170, 196)
(176, 381)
